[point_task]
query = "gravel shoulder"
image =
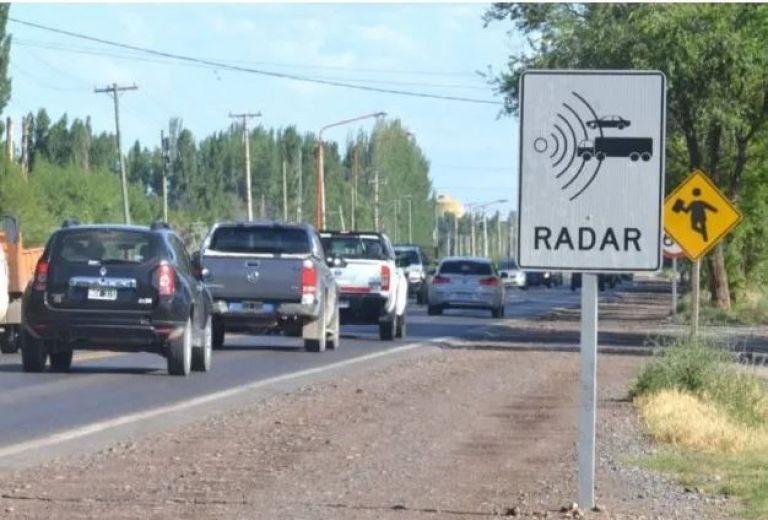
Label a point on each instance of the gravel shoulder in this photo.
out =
(442, 434)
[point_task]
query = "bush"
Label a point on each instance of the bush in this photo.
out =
(707, 371)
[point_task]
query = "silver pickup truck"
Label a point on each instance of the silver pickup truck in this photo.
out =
(266, 276)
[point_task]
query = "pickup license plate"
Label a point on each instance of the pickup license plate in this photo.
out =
(250, 307)
(106, 294)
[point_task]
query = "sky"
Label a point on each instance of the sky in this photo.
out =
(425, 48)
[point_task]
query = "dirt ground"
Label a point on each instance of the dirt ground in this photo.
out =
(444, 434)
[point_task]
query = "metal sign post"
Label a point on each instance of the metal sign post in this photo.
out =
(592, 147)
(674, 286)
(587, 411)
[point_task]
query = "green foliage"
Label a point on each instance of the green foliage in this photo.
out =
(705, 370)
(715, 59)
(52, 194)
(5, 50)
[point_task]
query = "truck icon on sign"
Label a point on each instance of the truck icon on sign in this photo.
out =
(635, 148)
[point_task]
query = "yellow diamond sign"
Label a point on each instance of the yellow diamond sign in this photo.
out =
(697, 215)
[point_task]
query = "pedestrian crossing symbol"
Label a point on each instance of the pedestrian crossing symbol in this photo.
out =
(697, 215)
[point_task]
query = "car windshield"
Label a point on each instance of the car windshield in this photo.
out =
(410, 254)
(467, 267)
(355, 246)
(260, 240)
(106, 247)
(508, 264)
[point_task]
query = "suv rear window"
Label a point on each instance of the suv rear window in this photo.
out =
(104, 246)
(466, 267)
(260, 240)
(411, 254)
(368, 247)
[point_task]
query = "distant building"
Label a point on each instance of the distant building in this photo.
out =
(447, 204)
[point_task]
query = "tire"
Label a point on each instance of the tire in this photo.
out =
(180, 352)
(600, 156)
(334, 337)
(61, 361)
(497, 312)
(9, 341)
(634, 156)
(387, 329)
(201, 354)
(400, 327)
(586, 156)
(317, 344)
(434, 310)
(217, 338)
(33, 353)
(620, 126)
(421, 296)
(645, 156)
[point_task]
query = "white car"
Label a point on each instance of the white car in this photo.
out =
(373, 288)
(466, 282)
(511, 274)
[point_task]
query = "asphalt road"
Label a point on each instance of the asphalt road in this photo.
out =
(100, 389)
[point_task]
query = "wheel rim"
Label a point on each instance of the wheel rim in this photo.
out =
(208, 342)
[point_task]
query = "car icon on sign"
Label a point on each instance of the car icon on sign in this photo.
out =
(608, 122)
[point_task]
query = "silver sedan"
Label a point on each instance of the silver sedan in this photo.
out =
(466, 283)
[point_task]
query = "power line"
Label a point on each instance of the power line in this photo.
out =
(250, 70)
(412, 72)
(135, 57)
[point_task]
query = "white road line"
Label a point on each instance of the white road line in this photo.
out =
(91, 429)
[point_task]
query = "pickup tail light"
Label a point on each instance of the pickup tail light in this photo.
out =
(489, 282)
(308, 278)
(41, 275)
(385, 275)
(437, 280)
(165, 280)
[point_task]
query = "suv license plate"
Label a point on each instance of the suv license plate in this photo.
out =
(109, 294)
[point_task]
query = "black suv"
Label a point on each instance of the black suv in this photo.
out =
(116, 287)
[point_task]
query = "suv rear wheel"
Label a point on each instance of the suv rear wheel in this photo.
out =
(180, 352)
(400, 328)
(33, 353)
(387, 328)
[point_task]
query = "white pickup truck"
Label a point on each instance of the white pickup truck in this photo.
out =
(373, 288)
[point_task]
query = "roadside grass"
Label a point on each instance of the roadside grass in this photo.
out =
(713, 418)
(751, 309)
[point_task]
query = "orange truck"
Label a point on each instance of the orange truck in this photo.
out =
(21, 263)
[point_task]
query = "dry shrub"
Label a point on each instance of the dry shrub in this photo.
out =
(687, 421)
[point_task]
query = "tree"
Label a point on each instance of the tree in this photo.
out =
(713, 55)
(5, 50)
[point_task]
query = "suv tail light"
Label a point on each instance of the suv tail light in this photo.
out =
(41, 275)
(165, 279)
(492, 281)
(308, 278)
(385, 277)
(437, 280)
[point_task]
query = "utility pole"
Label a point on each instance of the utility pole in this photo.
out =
(247, 141)
(410, 222)
(9, 139)
(300, 202)
(355, 174)
(376, 199)
(285, 193)
(113, 90)
(25, 145)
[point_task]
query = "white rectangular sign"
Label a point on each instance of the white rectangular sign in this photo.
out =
(591, 170)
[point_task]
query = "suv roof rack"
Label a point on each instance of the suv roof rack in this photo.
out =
(159, 224)
(70, 222)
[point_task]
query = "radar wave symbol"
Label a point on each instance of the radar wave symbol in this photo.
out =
(568, 132)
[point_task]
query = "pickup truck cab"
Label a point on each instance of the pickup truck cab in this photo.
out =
(373, 287)
(267, 276)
